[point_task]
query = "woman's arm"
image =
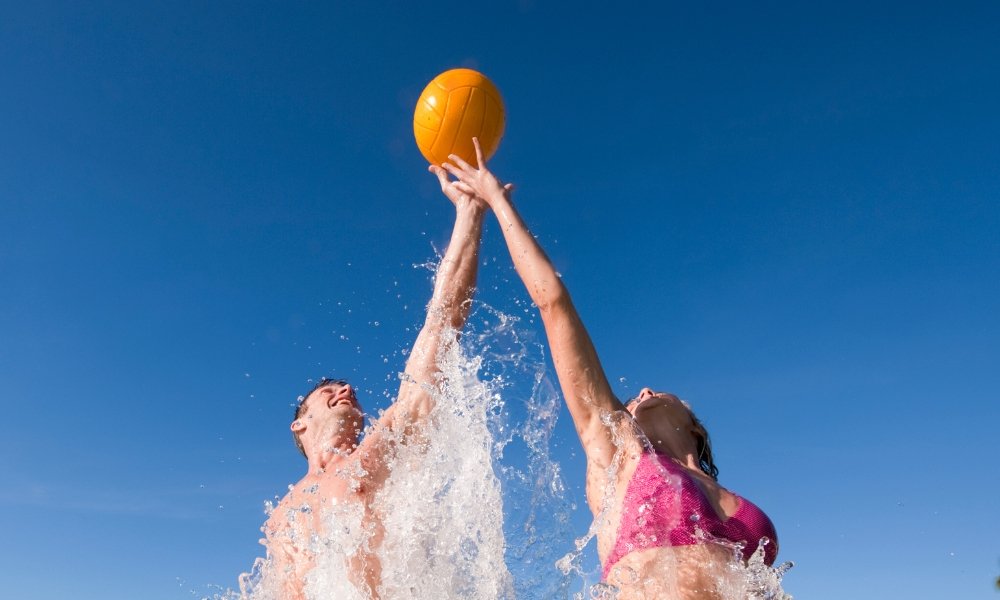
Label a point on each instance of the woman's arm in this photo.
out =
(584, 385)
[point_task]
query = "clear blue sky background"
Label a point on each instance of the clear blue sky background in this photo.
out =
(786, 212)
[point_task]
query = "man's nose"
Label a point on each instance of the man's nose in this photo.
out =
(645, 393)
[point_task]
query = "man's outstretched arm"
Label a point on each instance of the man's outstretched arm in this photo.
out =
(454, 287)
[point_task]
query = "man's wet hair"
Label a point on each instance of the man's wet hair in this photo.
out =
(300, 406)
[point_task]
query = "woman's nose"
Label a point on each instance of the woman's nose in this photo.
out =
(645, 393)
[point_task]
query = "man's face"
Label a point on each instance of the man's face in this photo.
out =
(332, 397)
(331, 411)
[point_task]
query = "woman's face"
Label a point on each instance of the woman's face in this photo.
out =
(660, 414)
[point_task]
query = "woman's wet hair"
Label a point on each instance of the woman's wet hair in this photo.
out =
(300, 407)
(704, 443)
(705, 459)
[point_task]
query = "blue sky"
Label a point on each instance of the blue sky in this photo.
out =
(786, 213)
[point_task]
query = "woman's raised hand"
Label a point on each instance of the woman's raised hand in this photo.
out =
(478, 180)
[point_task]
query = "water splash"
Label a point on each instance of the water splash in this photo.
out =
(753, 580)
(474, 506)
(477, 507)
(536, 511)
(442, 505)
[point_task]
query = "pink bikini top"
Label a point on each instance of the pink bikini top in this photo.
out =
(650, 517)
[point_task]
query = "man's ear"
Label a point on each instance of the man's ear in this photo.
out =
(298, 426)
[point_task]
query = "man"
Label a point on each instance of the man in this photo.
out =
(346, 472)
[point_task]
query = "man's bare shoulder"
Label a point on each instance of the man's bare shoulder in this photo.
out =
(277, 518)
(298, 495)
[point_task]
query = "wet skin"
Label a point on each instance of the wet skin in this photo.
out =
(342, 468)
(665, 421)
(612, 436)
(333, 414)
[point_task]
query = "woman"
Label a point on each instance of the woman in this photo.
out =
(667, 529)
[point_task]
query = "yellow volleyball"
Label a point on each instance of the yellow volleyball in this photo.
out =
(456, 106)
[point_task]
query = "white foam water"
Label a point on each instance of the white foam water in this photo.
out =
(442, 506)
(477, 508)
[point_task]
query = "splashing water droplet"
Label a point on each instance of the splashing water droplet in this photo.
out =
(624, 574)
(603, 591)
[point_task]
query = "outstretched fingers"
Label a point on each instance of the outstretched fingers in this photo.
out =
(479, 181)
(464, 188)
(459, 173)
(479, 153)
(442, 175)
(461, 163)
(454, 190)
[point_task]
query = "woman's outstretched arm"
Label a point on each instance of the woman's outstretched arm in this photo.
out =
(584, 384)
